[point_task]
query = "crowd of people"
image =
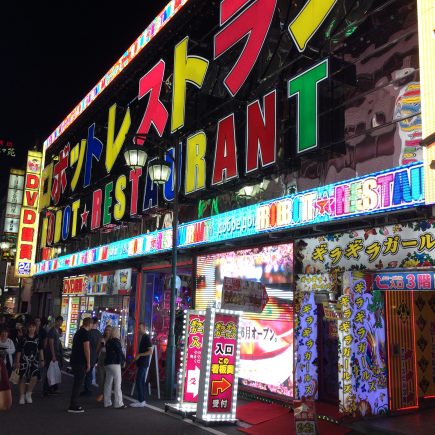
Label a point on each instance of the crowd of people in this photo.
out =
(32, 353)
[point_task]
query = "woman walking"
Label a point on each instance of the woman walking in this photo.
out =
(7, 350)
(5, 388)
(101, 355)
(113, 362)
(29, 358)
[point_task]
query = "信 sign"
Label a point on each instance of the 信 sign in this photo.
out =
(28, 230)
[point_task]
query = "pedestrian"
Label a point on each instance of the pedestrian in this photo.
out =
(53, 353)
(142, 359)
(29, 359)
(5, 388)
(95, 337)
(7, 349)
(101, 356)
(80, 362)
(114, 360)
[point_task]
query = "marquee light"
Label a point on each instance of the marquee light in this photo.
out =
(170, 10)
(387, 191)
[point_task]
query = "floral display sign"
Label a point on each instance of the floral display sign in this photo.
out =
(306, 348)
(362, 348)
(407, 245)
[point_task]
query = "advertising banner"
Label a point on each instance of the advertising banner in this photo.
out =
(192, 355)
(14, 201)
(122, 282)
(363, 367)
(75, 285)
(243, 295)
(407, 245)
(219, 366)
(306, 381)
(99, 283)
(28, 231)
(316, 282)
(404, 281)
(108, 318)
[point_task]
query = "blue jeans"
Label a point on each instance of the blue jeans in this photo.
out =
(140, 383)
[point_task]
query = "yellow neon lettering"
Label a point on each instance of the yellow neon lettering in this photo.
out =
(195, 162)
(113, 146)
(190, 69)
(309, 19)
(119, 208)
(75, 208)
(45, 195)
(58, 226)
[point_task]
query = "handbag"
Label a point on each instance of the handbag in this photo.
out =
(15, 377)
(54, 376)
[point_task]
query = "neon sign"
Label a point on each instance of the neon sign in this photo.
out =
(28, 231)
(385, 191)
(146, 36)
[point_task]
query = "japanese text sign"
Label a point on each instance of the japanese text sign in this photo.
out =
(75, 285)
(305, 417)
(28, 231)
(404, 281)
(192, 355)
(243, 295)
(219, 366)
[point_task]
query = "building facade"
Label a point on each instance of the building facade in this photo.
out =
(301, 137)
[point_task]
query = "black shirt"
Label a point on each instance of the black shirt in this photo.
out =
(95, 337)
(114, 353)
(78, 353)
(145, 344)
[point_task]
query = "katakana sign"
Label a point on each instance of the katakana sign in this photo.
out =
(404, 281)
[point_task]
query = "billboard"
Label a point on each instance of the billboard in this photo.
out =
(28, 230)
(14, 201)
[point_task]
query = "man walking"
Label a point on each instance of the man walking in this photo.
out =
(95, 338)
(53, 353)
(142, 362)
(80, 362)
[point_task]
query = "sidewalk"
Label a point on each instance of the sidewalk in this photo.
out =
(419, 423)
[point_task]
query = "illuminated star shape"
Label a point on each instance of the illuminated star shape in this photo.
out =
(84, 217)
(323, 205)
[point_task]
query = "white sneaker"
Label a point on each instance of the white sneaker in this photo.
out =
(138, 404)
(29, 398)
(22, 400)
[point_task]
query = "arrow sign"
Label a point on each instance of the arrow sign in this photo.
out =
(193, 381)
(219, 386)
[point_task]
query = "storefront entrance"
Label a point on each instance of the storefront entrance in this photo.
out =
(328, 354)
(411, 347)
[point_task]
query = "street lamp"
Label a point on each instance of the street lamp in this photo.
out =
(159, 171)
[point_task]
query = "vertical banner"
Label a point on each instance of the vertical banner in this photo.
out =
(306, 348)
(188, 378)
(402, 352)
(13, 201)
(362, 359)
(218, 386)
(28, 230)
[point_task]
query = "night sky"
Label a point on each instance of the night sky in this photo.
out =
(52, 54)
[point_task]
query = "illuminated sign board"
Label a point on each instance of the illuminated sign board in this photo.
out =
(219, 367)
(426, 44)
(28, 231)
(392, 190)
(404, 281)
(14, 201)
(75, 285)
(146, 36)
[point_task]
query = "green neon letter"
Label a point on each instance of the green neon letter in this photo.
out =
(107, 216)
(304, 86)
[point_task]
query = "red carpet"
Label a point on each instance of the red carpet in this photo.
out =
(258, 412)
(284, 424)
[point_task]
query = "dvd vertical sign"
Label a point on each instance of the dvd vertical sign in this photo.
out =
(28, 230)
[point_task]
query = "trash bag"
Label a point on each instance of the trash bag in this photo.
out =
(54, 375)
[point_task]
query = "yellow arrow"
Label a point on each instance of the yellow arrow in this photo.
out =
(309, 19)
